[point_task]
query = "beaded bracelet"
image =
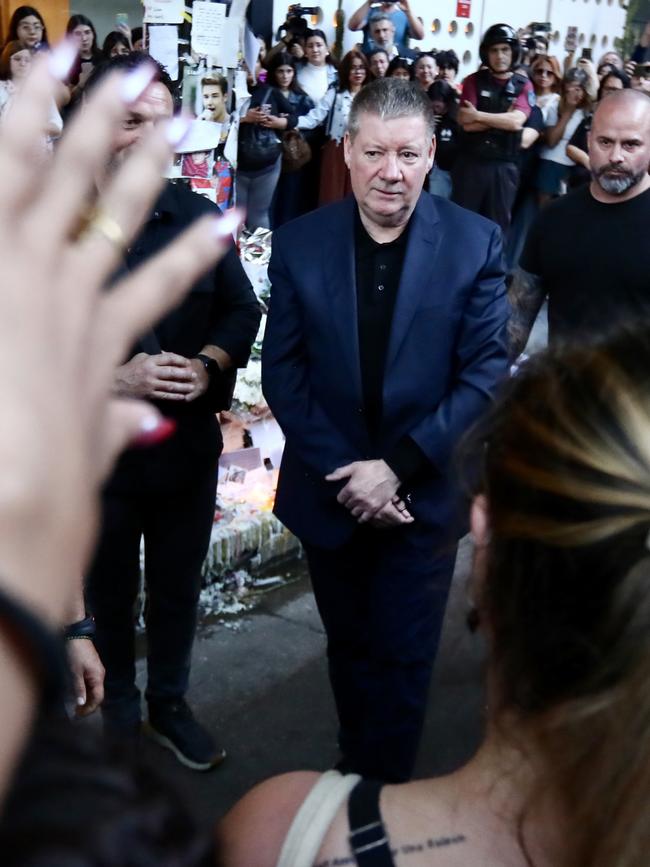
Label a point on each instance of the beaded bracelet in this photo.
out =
(37, 645)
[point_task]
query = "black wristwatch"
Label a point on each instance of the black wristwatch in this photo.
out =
(211, 366)
(81, 629)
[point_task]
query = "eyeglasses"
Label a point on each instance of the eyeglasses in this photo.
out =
(36, 27)
(544, 72)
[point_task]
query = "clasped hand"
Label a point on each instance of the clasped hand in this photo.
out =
(165, 376)
(370, 493)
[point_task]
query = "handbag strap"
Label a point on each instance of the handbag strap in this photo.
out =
(369, 840)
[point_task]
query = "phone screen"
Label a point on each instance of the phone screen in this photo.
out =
(571, 41)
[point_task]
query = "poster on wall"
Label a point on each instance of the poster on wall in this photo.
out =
(205, 158)
(464, 10)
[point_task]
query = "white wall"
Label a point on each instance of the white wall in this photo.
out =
(597, 20)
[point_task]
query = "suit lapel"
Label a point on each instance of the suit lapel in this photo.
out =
(417, 273)
(341, 284)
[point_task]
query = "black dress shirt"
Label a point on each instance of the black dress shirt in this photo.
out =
(221, 310)
(378, 273)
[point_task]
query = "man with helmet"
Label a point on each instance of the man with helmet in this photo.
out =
(496, 103)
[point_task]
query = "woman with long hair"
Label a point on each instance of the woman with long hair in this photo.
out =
(332, 112)
(317, 70)
(263, 118)
(282, 74)
(444, 101)
(561, 528)
(562, 121)
(115, 43)
(82, 30)
(15, 64)
(546, 76)
(316, 73)
(28, 26)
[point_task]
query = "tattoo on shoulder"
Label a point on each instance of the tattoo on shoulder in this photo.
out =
(404, 849)
(526, 296)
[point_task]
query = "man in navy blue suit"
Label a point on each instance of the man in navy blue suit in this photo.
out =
(385, 340)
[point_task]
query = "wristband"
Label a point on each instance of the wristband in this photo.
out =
(39, 647)
(81, 629)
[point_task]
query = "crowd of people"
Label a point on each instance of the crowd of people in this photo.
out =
(394, 320)
(531, 147)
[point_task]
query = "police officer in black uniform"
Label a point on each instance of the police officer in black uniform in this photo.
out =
(495, 106)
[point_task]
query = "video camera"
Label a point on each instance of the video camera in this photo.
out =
(296, 24)
(536, 30)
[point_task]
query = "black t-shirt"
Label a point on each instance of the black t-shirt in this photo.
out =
(447, 143)
(579, 174)
(594, 261)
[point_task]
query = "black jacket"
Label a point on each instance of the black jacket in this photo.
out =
(220, 309)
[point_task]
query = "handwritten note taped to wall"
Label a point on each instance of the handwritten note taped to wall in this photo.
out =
(208, 25)
(163, 11)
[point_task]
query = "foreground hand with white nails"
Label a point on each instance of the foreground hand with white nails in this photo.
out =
(62, 333)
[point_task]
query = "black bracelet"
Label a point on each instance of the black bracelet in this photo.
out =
(37, 645)
(81, 629)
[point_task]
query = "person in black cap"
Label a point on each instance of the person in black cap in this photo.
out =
(496, 103)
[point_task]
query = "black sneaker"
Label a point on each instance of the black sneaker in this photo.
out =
(172, 725)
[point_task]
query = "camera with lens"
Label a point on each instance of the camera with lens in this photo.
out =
(296, 24)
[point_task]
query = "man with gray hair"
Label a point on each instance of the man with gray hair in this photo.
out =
(406, 24)
(385, 340)
(588, 252)
(382, 35)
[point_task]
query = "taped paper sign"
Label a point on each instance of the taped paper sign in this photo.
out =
(208, 25)
(238, 8)
(163, 11)
(163, 47)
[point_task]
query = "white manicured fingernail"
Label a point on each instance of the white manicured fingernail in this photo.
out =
(81, 701)
(149, 423)
(61, 59)
(137, 81)
(177, 129)
(229, 223)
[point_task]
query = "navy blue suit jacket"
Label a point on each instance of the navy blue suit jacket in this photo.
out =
(446, 354)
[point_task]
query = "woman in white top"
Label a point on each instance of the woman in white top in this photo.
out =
(317, 72)
(15, 64)
(546, 75)
(560, 593)
(333, 111)
(562, 121)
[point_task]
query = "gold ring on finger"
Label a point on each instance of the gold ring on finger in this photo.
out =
(106, 227)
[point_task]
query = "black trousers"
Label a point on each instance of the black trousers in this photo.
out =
(488, 188)
(382, 599)
(176, 528)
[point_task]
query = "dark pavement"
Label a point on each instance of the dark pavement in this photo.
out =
(261, 682)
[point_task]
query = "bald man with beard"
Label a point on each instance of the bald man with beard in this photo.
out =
(588, 252)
